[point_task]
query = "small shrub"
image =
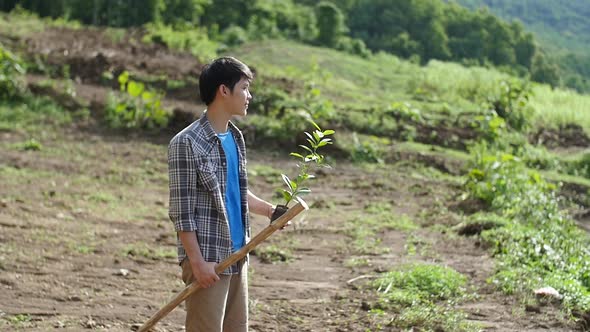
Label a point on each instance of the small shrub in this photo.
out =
(11, 75)
(369, 149)
(512, 103)
(31, 145)
(138, 107)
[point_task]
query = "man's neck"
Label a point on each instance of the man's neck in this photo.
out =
(218, 118)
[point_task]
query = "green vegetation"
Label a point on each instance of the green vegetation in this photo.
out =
(272, 254)
(145, 250)
(31, 114)
(541, 242)
(537, 244)
(192, 39)
(310, 157)
(11, 75)
(366, 228)
(423, 296)
(138, 107)
(562, 27)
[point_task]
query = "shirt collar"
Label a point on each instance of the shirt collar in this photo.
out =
(208, 128)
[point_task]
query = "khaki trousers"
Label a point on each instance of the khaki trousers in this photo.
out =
(222, 307)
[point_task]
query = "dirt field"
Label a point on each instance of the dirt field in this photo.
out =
(85, 241)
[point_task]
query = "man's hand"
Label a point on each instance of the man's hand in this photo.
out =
(278, 211)
(205, 274)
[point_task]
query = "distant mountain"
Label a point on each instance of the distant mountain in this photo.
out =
(559, 24)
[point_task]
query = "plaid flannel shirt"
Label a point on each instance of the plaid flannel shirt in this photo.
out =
(198, 178)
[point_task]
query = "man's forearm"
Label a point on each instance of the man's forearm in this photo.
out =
(191, 247)
(259, 206)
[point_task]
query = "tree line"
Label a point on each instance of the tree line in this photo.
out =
(420, 30)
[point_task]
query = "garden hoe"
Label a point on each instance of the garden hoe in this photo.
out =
(235, 257)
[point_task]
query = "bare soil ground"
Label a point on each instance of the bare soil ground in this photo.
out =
(85, 242)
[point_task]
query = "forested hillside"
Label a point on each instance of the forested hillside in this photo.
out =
(563, 28)
(419, 30)
(563, 24)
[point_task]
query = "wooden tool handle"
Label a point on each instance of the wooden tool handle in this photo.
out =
(235, 257)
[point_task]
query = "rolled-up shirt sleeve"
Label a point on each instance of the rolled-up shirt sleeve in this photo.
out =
(182, 174)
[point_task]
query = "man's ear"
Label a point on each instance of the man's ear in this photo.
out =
(224, 90)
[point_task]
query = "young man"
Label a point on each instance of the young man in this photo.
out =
(210, 200)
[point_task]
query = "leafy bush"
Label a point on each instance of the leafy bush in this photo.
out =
(369, 149)
(234, 36)
(11, 75)
(512, 103)
(489, 126)
(541, 245)
(138, 107)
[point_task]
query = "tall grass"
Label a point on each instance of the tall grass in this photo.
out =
(560, 107)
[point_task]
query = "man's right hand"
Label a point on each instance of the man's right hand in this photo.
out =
(205, 274)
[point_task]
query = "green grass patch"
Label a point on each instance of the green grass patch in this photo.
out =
(268, 173)
(31, 114)
(357, 262)
(367, 228)
(273, 254)
(149, 251)
(423, 296)
(20, 320)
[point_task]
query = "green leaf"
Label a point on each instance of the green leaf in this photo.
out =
(287, 181)
(316, 136)
(306, 148)
(123, 79)
(147, 96)
(294, 154)
(329, 132)
(315, 125)
(134, 88)
(287, 195)
(303, 191)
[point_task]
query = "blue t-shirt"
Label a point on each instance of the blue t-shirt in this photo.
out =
(233, 202)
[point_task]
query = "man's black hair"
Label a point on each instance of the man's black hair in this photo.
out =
(225, 70)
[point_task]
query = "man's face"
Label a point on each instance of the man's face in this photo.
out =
(239, 98)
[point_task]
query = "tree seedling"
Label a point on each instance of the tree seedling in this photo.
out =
(310, 157)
